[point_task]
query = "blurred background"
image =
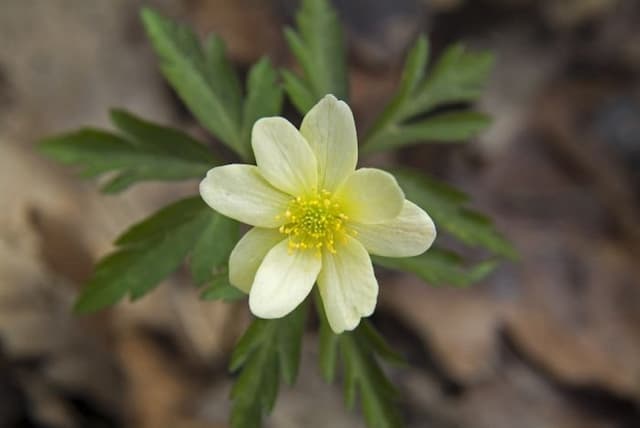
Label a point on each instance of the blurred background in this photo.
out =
(550, 341)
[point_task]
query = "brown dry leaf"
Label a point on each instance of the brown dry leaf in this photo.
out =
(157, 392)
(460, 325)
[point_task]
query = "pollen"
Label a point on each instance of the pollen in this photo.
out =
(314, 222)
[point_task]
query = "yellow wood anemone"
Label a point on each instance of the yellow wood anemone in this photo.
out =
(316, 218)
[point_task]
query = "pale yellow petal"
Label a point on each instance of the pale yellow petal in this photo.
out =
(370, 196)
(347, 285)
(240, 192)
(409, 234)
(331, 132)
(283, 281)
(284, 156)
(248, 254)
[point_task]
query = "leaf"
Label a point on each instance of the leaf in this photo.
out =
(264, 97)
(267, 352)
(221, 289)
(318, 45)
(300, 95)
(459, 76)
(161, 139)
(364, 377)
(145, 152)
(412, 75)
(362, 374)
(439, 267)
(213, 247)
(202, 77)
(156, 226)
(328, 351)
(445, 128)
(290, 344)
(448, 209)
(145, 255)
(378, 344)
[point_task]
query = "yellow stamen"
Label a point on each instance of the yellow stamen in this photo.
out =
(314, 222)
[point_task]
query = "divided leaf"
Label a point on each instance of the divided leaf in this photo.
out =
(146, 254)
(459, 76)
(267, 352)
(221, 289)
(448, 208)
(364, 377)
(201, 75)
(212, 249)
(440, 267)
(358, 351)
(442, 128)
(145, 151)
(151, 250)
(205, 80)
(318, 45)
(264, 97)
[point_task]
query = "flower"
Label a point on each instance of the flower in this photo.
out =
(314, 217)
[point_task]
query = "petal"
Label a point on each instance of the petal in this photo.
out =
(283, 156)
(331, 132)
(240, 192)
(348, 287)
(371, 196)
(283, 281)
(248, 254)
(409, 234)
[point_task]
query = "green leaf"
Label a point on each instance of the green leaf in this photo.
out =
(318, 45)
(364, 377)
(444, 128)
(440, 267)
(379, 345)
(300, 95)
(412, 75)
(448, 208)
(146, 254)
(264, 97)
(290, 344)
(161, 139)
(213, 248)
(269, 350)
(201, 76)
(328, 351)
(459, 76)
(221, 289)
(362, 374)
(145, 152)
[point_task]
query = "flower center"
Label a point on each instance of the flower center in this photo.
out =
(314, 221)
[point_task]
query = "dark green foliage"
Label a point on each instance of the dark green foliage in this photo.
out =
(206, 82)
(358, 352)
(154, 248)
(440, 267)
(213, 247)
(448, 208)
(458, 76)
(268, 352)
(318, 45)
(221, 289)
(144, 151)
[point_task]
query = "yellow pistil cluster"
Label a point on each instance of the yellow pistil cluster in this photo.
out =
(314, 222)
